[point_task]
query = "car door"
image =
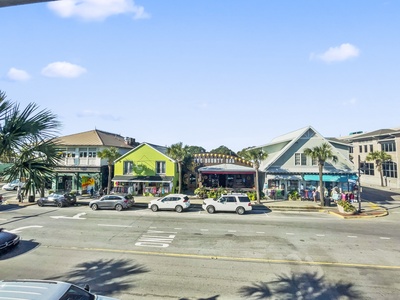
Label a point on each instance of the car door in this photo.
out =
(230, 204)
(168, 203)
(220, 204)
(104, 202)
(162, 203)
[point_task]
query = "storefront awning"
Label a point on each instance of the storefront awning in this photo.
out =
(331, 178)
(284, 177)
(143, 178)
(226, 169)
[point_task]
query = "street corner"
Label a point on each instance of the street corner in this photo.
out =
(374, 211)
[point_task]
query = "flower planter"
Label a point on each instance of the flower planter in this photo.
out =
(342, 211)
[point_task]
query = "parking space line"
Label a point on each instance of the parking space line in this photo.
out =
(110, 225)
(320, 234)
(204, 229)
(261, 232)
(352, 236)
(384, 238)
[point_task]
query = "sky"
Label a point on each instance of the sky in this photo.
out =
(206, 73)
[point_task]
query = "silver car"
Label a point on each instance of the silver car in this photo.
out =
(116, 202)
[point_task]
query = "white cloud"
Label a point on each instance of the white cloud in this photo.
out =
(340, 53)
(351, 102)
(63, 69)
(97, 9)
(18, 75)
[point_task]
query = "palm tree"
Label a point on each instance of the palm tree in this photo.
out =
(27, 140)
(321, 154)
(178, 153)
(379, 157)
(256, 156)
(111, 154)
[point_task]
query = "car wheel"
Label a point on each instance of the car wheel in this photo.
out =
(210, 209)
(118, 207)
(59, 204)
(154, 207)
(94, 207)
(240, 210)
(179, 209)
(40, 203)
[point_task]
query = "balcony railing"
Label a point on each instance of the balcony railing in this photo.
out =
(81, 161)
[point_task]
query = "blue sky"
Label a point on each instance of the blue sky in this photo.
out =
(206, 73)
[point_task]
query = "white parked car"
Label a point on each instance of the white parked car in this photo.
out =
(239, 203)
(45, 289)
(13, 185)
(177, 202)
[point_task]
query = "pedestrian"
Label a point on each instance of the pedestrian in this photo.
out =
(91, 192)
(314, 195)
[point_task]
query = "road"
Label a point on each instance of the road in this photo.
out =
(138, 254)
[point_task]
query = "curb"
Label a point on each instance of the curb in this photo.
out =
(384, 212)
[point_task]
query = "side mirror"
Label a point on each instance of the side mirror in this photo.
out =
(87, 288)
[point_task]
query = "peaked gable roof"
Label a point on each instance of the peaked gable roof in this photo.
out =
(158, 148)
(93, 138)
(289, 139)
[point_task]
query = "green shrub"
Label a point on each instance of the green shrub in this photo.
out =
(346, 206)
(294, 195)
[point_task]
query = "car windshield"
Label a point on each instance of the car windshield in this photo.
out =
(76, 293)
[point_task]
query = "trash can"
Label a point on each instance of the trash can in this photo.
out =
(327, 201)
(31, 198)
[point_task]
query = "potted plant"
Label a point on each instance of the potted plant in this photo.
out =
(294, 195)
(345, 207)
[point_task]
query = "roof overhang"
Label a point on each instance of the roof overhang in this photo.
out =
(162, 179)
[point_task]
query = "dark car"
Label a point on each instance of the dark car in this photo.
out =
(8, 240)
(60, 200)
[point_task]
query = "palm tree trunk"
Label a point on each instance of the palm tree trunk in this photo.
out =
(180, 178)
(381, 175)
(321, 188)
(257, 188)
(109, 179)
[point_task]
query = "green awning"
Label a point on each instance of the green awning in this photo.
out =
(331, 178)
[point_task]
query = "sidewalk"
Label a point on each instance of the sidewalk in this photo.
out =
(368, 209)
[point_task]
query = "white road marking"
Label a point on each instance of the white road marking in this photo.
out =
(178, 228)
(231, 230)
(320, 234)
(204, 229)
(158, 241)
(352, 236)
(384, 238)
(3, 219)
(17, 230)
(76, 217)
(260, 232)
(153, 227)
(289, 233)
(109, 225)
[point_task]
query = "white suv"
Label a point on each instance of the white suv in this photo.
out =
(45, 289)
(177, 202)
(239, 203)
